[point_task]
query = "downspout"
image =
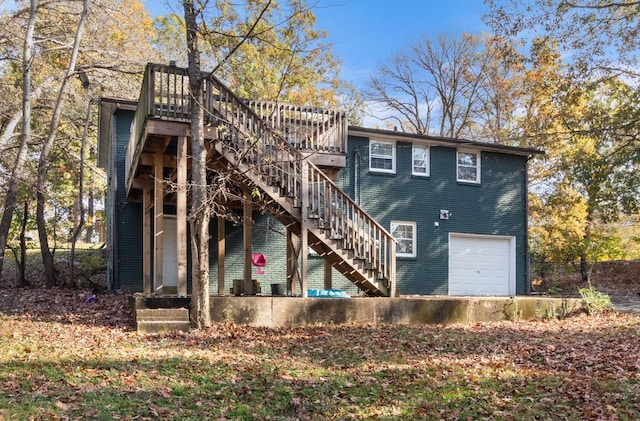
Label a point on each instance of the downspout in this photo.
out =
(356, 189)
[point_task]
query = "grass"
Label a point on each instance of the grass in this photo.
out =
(81, 364)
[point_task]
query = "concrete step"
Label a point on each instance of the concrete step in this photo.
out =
(162, 326)
(159, 314)
(151, 320)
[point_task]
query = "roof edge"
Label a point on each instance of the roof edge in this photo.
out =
(120, 103)
(440, 140)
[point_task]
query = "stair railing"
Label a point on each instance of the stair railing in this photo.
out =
(265, 148)
(334, 210)
(344, 221)
(305, 127)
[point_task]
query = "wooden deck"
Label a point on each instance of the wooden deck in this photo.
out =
(163, 113)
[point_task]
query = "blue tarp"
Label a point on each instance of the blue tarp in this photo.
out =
(327, 293)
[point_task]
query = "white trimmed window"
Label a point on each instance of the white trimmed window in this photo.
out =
(420, 160)
(382, 156)
(468, 166)
(405, 234)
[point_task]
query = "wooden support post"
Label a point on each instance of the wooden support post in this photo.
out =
(221, 255)
(328, 282)
(158, 203)
(292, 261)
(247, 227)
(181, 216)
(304, 226)
(147, 275)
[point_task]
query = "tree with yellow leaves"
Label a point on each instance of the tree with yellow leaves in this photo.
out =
(587, 180)
(117, 35)
(285, 58)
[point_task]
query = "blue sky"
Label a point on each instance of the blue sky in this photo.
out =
(364, 33)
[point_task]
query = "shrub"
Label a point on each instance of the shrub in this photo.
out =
(594, 301)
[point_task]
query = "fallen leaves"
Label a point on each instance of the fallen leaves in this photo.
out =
(66, 306)
(65, 359)
(164, 392)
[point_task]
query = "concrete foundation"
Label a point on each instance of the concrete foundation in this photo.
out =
(288, 311)
(273, 311)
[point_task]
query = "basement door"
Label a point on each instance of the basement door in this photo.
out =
(482, 265)
(170, 252)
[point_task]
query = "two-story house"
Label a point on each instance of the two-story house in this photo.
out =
(324, 205)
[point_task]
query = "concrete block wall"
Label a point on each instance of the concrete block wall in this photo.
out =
(286, 311)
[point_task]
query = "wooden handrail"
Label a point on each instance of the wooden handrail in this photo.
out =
(308, 128)
(351, 225)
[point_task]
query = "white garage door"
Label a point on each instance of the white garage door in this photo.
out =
(481, 265)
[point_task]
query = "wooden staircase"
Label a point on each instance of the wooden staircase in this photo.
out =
(270, 149)
(299, 194)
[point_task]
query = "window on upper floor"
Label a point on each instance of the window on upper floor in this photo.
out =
(382, 156)
(468, 167)
(420, 160)
(405, 234)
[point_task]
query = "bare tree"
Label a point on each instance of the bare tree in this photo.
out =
(25, 136)
(442, 87)
(394, 87)
(78, 210)
(449, 69)
(43, 163)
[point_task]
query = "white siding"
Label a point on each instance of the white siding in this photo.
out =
(170, 252)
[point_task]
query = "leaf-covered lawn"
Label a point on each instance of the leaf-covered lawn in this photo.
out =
(63, 359)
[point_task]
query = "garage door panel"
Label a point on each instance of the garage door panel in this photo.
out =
(481, 265)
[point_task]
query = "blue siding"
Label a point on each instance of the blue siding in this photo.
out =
(497, 206)
(128, 215)
(269, 238)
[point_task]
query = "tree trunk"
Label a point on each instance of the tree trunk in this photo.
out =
(25, 136)
(79, 208)
(89, 232)
(10, 128)
(47, 256)
(200, 209)
(22, 280)
(585, 267)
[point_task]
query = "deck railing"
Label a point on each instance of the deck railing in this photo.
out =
(307, 128)
(165, 95)
(259, 134)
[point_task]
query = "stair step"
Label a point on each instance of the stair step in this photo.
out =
(153, 326)
(336, 237)
(159, 314)
(154, 320)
